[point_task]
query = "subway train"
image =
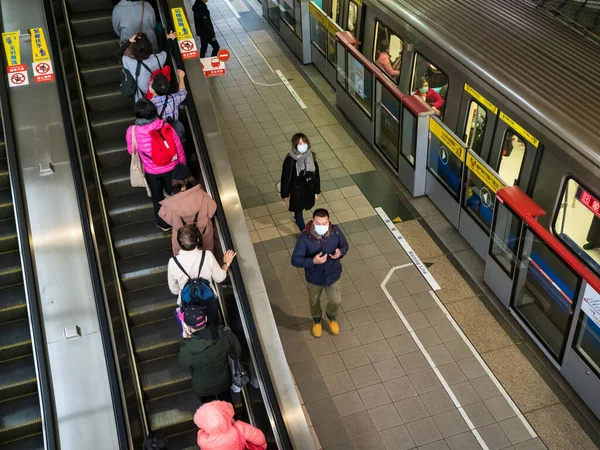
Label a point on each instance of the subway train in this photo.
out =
(512, 98)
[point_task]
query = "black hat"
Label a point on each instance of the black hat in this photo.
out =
(180, 172)
(194, 317)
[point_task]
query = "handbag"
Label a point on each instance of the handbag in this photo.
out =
(247, 445)
(137, 175)
(239, 376)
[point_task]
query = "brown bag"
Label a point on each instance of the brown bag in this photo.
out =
(136, 170)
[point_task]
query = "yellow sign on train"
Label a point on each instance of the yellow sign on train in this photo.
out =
(520, 130)
(483, 173)
(481, 99)
(447, 139)
(11, 48)
(182, 27)
(39, 48)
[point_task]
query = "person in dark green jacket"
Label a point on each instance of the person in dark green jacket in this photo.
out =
(205, 350)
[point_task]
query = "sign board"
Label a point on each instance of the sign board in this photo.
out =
(588, 200)
(520, 130)
(485, 175)
(317, 13)
(447, 139)
(223, 55)
(42, 66)
(185, 38)
(17, 72)
(591, 304)
(212, 67)
(481, 99)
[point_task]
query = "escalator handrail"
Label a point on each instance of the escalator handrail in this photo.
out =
(38, 344)
(269, 395)
(107, 230)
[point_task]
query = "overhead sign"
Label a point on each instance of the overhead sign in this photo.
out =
(482, 172)
(520, 130)
(185, 38)
(588, 200)
(42, 66)
(591, 304)
(17, 72)
(447, 139)
(212, 67)
(481, 99)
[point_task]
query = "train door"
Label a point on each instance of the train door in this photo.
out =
(352, 19)
(513, 152)
(477, 121)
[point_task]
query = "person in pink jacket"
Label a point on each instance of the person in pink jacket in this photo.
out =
(189, 203)
(218, 430)
(158, 177)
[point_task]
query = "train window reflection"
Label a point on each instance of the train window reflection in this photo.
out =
(505, 235)
(430, 84)
(587, 343)
(335, 11)
(511, 157)
(387, 51)
(353, 19)
(577, 222)
(475, 127)
(360, 84)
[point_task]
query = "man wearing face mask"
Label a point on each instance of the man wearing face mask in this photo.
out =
(319, 250)
(428, 95)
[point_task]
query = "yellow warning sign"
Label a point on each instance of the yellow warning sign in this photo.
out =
(332, 27)
(446, 138)
(519, 129)
(11, 48)
(182, 28)
(397, 220)
(481, 99)
(483, 174)
(38, 45)
(317, 13)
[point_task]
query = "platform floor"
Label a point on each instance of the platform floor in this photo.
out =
(412, 367)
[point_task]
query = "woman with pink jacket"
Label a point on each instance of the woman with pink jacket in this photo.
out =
(218, 430)
(158, 177)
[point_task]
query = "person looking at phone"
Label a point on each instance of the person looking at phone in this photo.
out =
(319, 249)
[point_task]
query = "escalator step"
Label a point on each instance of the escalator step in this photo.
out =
(109, 124)
(34, 442)
(116, 181)
(98, 46)
(10, 269)
(22, 418)
(13, 305)
(2, 146)
(164, 376)
(83, 6)
(139, 238)
(184, 441)
(100, 71)
(130, 208)
(141, 271)
(173, 414)
(17, 378)
(6, 204)
(15, 340)
(157, 340)
(112, 152)
(4, 178)
(8, 236)
(150, 304)
(91, 23)
(106, 97)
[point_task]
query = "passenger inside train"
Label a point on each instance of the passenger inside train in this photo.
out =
(388, 51)
(384, 61)
(428, 95)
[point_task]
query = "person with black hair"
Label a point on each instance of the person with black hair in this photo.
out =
(139, 139)
(204, 28)
(384, 60)
(167, 104)
(156, 441)
(138, 58)
(135, 16)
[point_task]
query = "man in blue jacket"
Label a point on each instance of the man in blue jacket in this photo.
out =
(318, 250)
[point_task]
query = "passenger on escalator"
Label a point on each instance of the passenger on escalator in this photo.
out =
(300, 180)
(384, 61)
(218, 430)
(155, 441)
(428, 95)
(205, 351)
(167, 104)
(204, 28)
(137, 57)
(130, 17)
(189, 203)
(155, 141)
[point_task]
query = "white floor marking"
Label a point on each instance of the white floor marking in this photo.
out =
(291, 89)
(244, 67)
(485, 366)
(261, 54)
(235, 13)
(408, 249)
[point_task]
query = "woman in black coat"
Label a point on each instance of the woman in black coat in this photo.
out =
(300, 181)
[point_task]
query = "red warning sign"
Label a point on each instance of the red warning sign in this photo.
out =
(17, 75)
(43, 72)
(212, 67)
(223, 55)
(188, 49)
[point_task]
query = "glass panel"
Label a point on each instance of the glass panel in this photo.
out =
(331, 44)
(360, 82)
(430, 84)
(577, 223)
(388, 125)
(475, 128)
(273, 10)
(319, 3)
(587, 341)
(409, 136)
(298, 19)
(545, 292)
(387, 51)
(479, 200)
(318, 34)
(505, 237)
(513, 152)
(335, 11)
(444, 164)
(288, 16)
(341, 66)
(353, 19)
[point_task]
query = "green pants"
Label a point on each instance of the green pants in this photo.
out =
(314, 297)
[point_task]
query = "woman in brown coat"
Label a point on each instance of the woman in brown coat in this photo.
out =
(189, 203)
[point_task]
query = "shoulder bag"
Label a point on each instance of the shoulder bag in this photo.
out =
(137, 175)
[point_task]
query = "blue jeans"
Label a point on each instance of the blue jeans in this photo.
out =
(299, 219)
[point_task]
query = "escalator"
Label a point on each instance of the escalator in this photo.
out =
(20, 414)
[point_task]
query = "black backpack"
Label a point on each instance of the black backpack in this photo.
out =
(129, 84)
(197, 291)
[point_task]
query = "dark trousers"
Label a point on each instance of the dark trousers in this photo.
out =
(224, 396)
(204, 46)
(299, 219)
(593, 236)
(157, 183)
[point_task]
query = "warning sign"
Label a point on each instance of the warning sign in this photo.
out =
(17, 72)
(17, 75)
(223, 55)
(42, 66)
(43, 72)
(185, 38)
(213, 67)
(591, 304)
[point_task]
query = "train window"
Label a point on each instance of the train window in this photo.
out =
(353, 18)
(318, 33)
(360, 82)
(511, 157)
(430, 84)
(335, 11)
(475, 127)
(577, 222)
(586, 342)
(387, 51)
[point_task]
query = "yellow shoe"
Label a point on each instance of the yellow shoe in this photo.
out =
(334, 327)
(317, 329)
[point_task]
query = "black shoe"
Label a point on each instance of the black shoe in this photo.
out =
(590, 246)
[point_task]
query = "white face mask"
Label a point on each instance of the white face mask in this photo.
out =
(321, 230)
(302, 147)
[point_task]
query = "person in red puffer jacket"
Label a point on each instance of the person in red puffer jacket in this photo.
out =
(158, 177)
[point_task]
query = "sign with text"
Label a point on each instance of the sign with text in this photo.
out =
(212, 67)
(42, 66)
(591, 304)
(185, 38)
(17, 72)
(588, 200)
(482, 172)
